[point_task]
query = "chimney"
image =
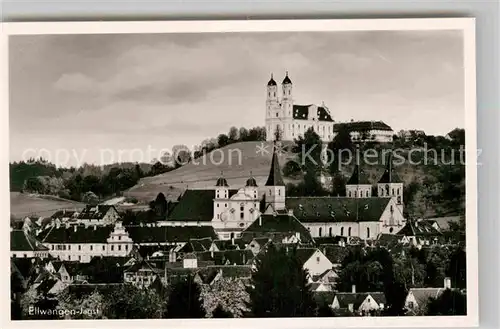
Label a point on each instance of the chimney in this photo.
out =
(95, 227)
(75, 227)
(260, 220)
(232, 240)
(290, 212)
(447, 283)
(353, 289)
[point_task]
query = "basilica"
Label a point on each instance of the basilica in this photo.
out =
(234, 212)
(286, 120)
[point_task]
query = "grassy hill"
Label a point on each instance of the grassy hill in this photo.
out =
(236, 161)
(24, 204)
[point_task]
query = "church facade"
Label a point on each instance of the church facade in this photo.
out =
(286, 120)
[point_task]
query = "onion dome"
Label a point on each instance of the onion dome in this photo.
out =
(251, 182)
(271, 82)
(287, 80)
(222, 181)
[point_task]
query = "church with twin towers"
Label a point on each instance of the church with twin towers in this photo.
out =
(286, 120)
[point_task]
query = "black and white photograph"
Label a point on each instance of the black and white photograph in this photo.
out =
(238, 169)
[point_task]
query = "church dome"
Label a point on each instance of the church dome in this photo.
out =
(222, 182)
(251, 182)
(271, 82)
(287, 80)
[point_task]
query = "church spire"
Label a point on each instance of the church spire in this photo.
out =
(389, 175)
(275, 178)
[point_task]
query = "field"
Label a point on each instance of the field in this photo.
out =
(23, 204)
(236, 161)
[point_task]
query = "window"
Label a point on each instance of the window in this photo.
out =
(242, 215)
(217, 205)
(79, 257)
(411, 305)
(225, 205)
(274, 94)
(112, 248)
(361, 194)
(398, 191)
(91, 247)
(350, 194)
(69, 257)
(69, 247)
(317, 259)
(217, 194)
(24, 255)
(392, 191)
(342, 231)
(52, 247)
(119, 247)
(103, 247)
(279, 192)
(276, 114)
(126, 247)
(355, 194)
(392, 209)
(320, 231)
(79, 247)
(330, 231)
(367, 232)
(349, 231)
(119, 237)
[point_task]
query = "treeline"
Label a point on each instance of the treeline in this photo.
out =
(438, 189)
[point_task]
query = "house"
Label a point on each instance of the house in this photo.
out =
(153, 235)
(32, 223)
(257, 244)
(442, 224)
(334, 253)
(363, 303)
(325, 280)
(98, 215)
(141, 274)
(64, 215)
(81, 242)
(22, 244)
(366, 131)
(421, 233)
(314, 261)
(72, 271)
(417, 298)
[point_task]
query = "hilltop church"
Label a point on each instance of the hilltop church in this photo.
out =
(259, 210)
(287, 121)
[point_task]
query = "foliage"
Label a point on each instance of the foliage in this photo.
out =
(456, 268)
(129, 302)
(219, 312)
(450, 302)
(340, 146)
(291, 169)
(230, 295)
(184, 300)
(279, 286)
(87, 307)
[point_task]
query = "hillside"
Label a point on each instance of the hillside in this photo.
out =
(24, 204)
(204, 171)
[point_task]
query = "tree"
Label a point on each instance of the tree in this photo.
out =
(90, 198)
(221, 313)
(243, 134)
(340, 146)
(92, 304)
(229, 294)
(233, 135)
(129, 302)
(450, 302)
(310, 148)
(279, 286)
(184, 300)
(222, 140)
(456, 268)
(291, 168)
(160, 205)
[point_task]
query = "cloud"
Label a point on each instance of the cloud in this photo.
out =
(76, 82)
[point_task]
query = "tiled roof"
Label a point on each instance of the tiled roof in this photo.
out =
(421, 228)
(443, 222)
(301, 112)
(82, 234)
(337, 209)
(358, 177)
(157, 234)
(267, 225)
(330, 240)
(362, 126)
(95, 212)
(323, 298)
(385, 239)
(81, 290)
(74, 268)
(20, 241)
(379, 297)
(63, 214)
(422, 295)
(334, 253)
(195, 205)
(346, 298)
(274, 178)
(303, 254)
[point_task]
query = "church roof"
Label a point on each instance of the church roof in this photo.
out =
(286, 80)
(362, 126)
(358, 177)
(389, 175)
(222, 182)
(274, 178)
(301, 112)
(251, 182)
(271, 82)
(195, 205)
(337, 209)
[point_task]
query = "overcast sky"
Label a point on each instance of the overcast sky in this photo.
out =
(84, 93)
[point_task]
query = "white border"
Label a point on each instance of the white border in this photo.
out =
(467, 25)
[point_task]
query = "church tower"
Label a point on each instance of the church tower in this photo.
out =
(221, 197)
(274, 114)
(275, 187)
(358, 185)
(251, 188)
(390, 185)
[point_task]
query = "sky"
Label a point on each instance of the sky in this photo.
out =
(107, 98)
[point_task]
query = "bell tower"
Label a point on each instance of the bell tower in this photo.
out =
(390, 185)
(275, 187)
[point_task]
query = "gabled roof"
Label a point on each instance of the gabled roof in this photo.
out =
(358, 177)
(82, 234)
(346, 298)
(304, 254)
(389, 175)
(63, 214)
(422, 295)
(21, 241)
(337, 209)
(443, 222)
(95, 212)
(360, 126)
(334, 253)
(389, 239)
(421, 228)
(157, 234)
(74, 268)
(323, 298)
(267, 225)
(195, 205)
(301, 112)
(274, 178)
(25, 266)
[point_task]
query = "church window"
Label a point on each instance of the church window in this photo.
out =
(276, 114)
(392, 209)
(350, 195)
(274, 94)
(398, 191)
(367, 232)
(217, 194)
(392, 191)
(355, 194)
(360, 194)
(349, 231)
(279, 192)
(330, 231)
(225, 205)
(217, 205)
(242, 215)
(242, 207)
(320, 231)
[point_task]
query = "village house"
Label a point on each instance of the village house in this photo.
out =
(364, 303)
(98, 215)
(421, 233)
(142, 274)
(417, 298)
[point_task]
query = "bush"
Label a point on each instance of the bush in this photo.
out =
(291, 168)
